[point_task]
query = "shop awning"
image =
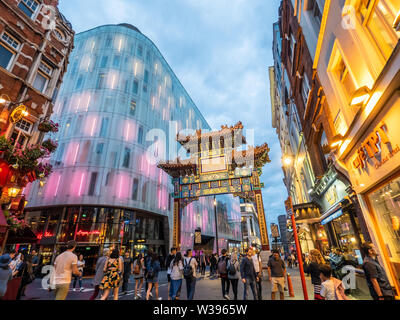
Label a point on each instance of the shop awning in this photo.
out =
(22, 236)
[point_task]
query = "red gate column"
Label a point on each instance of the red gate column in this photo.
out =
(176, 237)
(261, 220)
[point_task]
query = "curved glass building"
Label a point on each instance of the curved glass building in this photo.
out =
(119, 109)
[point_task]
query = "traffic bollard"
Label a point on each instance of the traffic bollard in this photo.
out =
(290, 285)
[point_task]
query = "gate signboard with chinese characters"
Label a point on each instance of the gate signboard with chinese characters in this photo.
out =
(215, 167)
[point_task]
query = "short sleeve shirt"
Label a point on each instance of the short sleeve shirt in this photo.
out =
(256, 263)
(277, 267)
(328, 290)
(193, 263)
(63, 267)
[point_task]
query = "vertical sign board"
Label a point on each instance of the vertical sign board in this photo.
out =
(261, 220)
(176, 232)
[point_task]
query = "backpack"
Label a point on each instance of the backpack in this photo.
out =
(231, 269)
(188, 270)
(222, 269)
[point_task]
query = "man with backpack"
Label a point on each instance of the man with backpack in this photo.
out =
(189, 273)
(223, 274)
(234, 273)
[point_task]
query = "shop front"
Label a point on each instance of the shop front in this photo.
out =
(308, 222)
(374, 169)
(95, 229)
(340, 217)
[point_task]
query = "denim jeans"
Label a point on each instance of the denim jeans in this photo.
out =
(190, 288)
(174, 288)
(80, 281)
(252, 284)
(225, 284)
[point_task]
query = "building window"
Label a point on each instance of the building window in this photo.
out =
(104, 127)
(59, 34)
(8, 48)
(140, 50)
(378, 17)
(342, 74)
(140, 135)
(92, 185)
(79, 82)
(340, 124)
(117, 61)
(28, 7)
(316, 11)
(127, 158)
(101, 81)
(144, 88)
(135, 189)
(146, 76)
(144, 192)
(104, 61)
(24, 126)
(132, 109)
(135, 87)
(305, 89)
(100, 148)
(43, 76)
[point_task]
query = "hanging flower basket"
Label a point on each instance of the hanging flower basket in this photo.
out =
(48, 126)
(50, 145)
(14, 223)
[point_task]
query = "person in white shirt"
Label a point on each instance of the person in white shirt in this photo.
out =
(258, 268)
(81, 265)
(65, 265)
(191, 281)
(331, 288)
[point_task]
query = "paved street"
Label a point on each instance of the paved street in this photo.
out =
(206, 289)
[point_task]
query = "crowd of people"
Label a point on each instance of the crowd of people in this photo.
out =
(113, 273)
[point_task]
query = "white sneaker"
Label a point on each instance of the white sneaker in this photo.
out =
(159, 298)
(73, 289)
(227, 297)
(140, 296)
(151, 295)
(81, 289)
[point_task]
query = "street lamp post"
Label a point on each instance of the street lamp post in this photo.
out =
(216, 223)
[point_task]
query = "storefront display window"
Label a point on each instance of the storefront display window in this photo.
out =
(386, 205)
(345, 233)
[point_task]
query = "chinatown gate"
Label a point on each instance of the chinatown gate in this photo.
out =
(216, 167)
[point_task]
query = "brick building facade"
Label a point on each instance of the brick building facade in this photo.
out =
(35, 43)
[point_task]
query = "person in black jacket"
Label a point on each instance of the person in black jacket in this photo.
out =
(312, 267)
(25, 271)
(248, 274)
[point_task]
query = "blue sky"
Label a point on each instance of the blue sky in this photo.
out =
(219, 49)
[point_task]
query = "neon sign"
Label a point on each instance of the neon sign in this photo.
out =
(46, 235)
(87, 233)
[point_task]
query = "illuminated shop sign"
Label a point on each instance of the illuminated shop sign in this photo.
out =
(371, 148)
(332, 217)
(87, 233)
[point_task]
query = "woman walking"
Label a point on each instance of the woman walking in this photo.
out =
(25, 271)
(138, 275)
(81, 265)
(176, 276)
(234, 273)
(113, 270)
(152, 276)
(312, 267)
